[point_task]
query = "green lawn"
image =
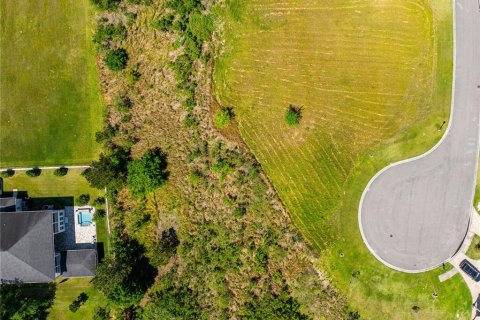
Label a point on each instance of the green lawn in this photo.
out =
(67, 291)
(373, 81)
(102, 233)
(50, 105)
(474, 249)
(48, 185)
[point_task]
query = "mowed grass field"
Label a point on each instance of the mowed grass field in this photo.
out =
(49, 94)
(373, 81)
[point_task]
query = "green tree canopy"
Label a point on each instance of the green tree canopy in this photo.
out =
(106, 33)
(147, 173)
(34, 172)
(125, 274)
(60, 172)
(7, 174)
(293, 115)
(108, 171)
(172, 303)
(116, 59)
(26, 301)
(223, 117)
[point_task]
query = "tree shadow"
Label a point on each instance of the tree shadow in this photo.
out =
(48, 202)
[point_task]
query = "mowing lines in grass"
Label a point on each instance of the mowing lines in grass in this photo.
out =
(373, 79)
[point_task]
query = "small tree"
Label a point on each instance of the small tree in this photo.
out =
(132, 76)
(147, 173)
(293, 115)
(353, 315)
(116, 59)
(7, 173)
(124, 275)
(83, 199)
(165, 247)
(60, 172)
(123, 103)
(223, 117)
(34, 172)
(108, 171)
(98, 201)
(100, 213)
(165, 23)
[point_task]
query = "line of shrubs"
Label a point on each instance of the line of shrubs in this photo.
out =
(34, 172)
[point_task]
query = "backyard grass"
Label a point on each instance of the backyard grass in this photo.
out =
(67, 291)
(50, 105)
(373, 81)
(48, 185)
(102, 234)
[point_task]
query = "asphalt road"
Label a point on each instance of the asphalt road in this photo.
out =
(414, 215)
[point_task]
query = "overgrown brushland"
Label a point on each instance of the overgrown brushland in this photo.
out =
(211, 241)
(372, 83)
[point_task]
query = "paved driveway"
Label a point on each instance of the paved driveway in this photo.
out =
(414, 215)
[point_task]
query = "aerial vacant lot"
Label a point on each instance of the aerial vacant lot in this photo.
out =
(49, 95)
(373, 81)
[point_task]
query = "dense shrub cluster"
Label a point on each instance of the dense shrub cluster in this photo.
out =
(107, 33)
(34, 172)
(223, 117)
(123, 104)
(109, 170)
(116, 59)
(60, 172)
(7, 173)
(132, 76)
(147, 173)
(26, 301)
(124, 275)
(83, 199)
(293, 115)
(194, 27)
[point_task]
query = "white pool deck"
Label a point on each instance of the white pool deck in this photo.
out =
(84, 234)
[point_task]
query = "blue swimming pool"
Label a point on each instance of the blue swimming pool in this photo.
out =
(84, 218)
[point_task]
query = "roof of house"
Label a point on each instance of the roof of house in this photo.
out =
(26, 246)
(7, 204)
(78, 263)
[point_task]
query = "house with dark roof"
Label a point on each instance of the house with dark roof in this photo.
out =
(28, 252)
